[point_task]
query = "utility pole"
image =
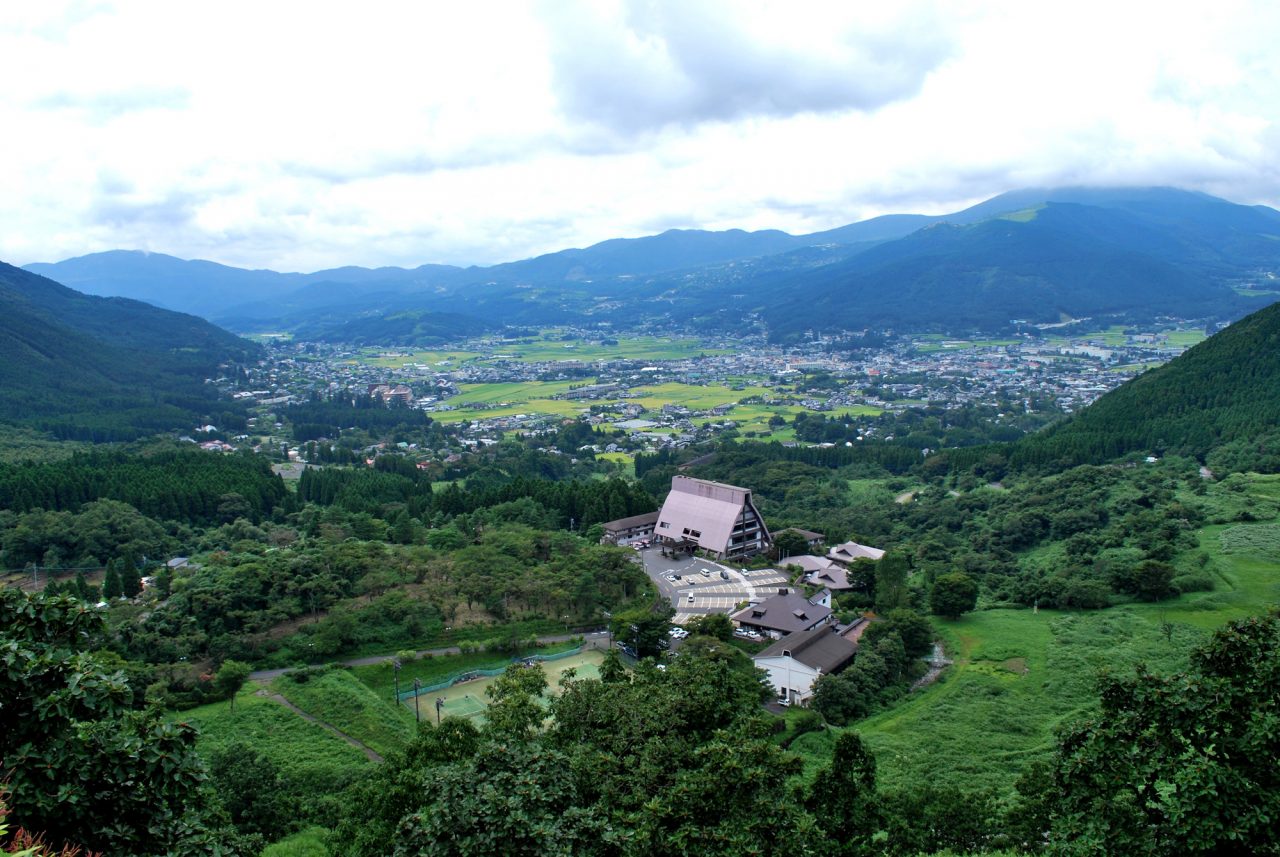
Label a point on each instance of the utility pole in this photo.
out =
(417, 684)
(395, 668)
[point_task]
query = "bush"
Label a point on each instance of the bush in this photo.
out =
(1196, 582)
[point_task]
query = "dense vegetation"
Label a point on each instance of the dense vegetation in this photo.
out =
(107, 369)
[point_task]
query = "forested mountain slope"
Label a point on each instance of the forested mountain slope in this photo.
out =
(1221, 398)
(104, 368)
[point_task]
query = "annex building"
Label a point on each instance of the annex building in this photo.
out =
(702, 515)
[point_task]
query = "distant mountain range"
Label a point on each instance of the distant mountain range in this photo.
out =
(1039, 255)
(95, 368)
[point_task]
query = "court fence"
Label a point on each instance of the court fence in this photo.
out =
(473, 674)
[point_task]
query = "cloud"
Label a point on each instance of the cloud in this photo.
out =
(644, 65)
(104, 106)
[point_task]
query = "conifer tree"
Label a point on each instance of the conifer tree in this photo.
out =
(111, 586)
(130, 579)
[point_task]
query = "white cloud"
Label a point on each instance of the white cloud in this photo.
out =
(303, 135)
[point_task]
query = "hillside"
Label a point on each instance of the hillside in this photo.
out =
(95, 368)
(1037, 254)
(1222, 396)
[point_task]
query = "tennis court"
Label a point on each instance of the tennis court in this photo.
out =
(467, 699)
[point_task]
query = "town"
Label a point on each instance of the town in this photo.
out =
(673, 393)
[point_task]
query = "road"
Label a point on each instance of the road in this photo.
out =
(267, 675)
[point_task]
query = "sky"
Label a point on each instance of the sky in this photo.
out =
(301, 136)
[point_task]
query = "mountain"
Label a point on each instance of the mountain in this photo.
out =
(97, 368)
(1040, 255)
(1219, 399)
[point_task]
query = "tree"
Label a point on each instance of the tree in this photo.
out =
(891, 582)
(953, 594)
(643, 629)
(790, 543)
(717, 625)
(252, 791)
(843, 796)
(83, 766)
(1179, 764)
(230, 678)
(130, 580)
(111, 584)
(515, 710)
(1153, 581)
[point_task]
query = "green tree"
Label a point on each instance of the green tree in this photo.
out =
(953, 594)
(843, 797)
(515, 710)
(252, 790)
(231, 676)
(1153, 581)
(891, 582)
(111, 584)
(1179, 764)
(717, 625)
(130, 580)
(790, 543)
(83, 766)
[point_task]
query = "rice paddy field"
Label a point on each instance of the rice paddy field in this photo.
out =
(547, 348)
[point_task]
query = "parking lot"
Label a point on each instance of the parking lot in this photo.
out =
(703, 581)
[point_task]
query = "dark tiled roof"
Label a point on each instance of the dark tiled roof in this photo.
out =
(633, 521)
(785, 613)
(822, 648)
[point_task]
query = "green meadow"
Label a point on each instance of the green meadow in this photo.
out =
(1019, 675)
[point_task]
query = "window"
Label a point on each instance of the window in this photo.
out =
(664, 525)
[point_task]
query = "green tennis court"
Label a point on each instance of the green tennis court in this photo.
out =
(467, 698)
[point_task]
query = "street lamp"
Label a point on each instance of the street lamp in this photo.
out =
(417, 684)
(439, 705)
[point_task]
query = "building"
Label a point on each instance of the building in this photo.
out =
(849, 551)
(812, 539)
(720, 519)
(796, 662)
(784, 614)
(624, 530)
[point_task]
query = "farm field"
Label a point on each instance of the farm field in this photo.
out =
(544, 350)
(1021, 674)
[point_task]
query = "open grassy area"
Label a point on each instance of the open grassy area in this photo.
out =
(312, 842)
(1020, 674)
(302, 749)
(380, 677)
(341, 700)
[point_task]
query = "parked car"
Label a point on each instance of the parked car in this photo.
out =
(724, 575)
(690, 597)
(706, 572)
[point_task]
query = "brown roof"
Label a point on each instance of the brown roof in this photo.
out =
(633, 521)
(821, 648)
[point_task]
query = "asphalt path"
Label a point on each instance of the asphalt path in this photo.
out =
(266, 675)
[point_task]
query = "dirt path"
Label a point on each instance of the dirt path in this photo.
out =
(369, 752)
(937, 663)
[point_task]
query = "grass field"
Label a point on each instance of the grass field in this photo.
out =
(302, 749)
(341, 700)
(1021, 674)
(468, 699)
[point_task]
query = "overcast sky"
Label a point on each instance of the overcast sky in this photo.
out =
(299, 136)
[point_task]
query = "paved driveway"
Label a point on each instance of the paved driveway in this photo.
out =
(710, 592)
